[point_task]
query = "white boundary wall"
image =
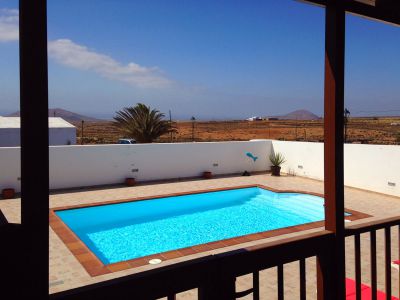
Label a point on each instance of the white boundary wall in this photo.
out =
(370, 167)
(90, 165)
(10, 168)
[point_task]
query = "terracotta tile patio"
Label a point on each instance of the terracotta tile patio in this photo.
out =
(67, 272)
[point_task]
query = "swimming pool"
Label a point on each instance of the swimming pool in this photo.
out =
(125, 231)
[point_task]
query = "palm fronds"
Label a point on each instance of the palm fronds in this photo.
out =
(142, 123)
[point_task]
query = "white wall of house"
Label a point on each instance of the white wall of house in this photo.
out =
(62, 136)
(371, 167)
(89, 165)
(60, 132)
(10, 137)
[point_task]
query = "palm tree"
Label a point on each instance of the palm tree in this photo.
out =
(142, 123)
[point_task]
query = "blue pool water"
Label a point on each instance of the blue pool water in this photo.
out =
(124, 231)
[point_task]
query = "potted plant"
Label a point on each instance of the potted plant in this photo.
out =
(207, 174)
(130, 181)
(8, 193)
(277, 159)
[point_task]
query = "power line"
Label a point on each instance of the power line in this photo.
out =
(377, 111)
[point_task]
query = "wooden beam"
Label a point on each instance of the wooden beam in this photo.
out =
(34, 149)
(333, 118)
(387, 11)
(333, 141)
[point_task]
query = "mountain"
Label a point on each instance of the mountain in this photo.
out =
(300, 114)
(68, 116)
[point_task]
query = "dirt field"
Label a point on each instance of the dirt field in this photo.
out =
(360, 130)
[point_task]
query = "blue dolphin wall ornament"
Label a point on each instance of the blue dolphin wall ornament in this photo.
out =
(254, 158)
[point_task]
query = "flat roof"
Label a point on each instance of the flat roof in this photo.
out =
(15, 122)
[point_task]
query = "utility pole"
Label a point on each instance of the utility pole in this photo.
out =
(193, 119)
(82, 132)
(170, 123)
(346, 120)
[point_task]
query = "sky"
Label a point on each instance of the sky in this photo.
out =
(225, 59)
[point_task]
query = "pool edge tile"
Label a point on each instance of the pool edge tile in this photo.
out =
(95, 267)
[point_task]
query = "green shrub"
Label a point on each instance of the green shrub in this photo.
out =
(277, 159)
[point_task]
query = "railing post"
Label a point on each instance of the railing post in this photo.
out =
(325, 275)
(34, 148)
(333, 150)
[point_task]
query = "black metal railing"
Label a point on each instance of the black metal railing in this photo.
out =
(371, 228)
(214, 276)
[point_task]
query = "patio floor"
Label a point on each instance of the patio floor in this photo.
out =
(66, 272)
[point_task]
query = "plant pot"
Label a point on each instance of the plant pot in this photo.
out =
(130, 181)
(8, 193)
(207, 175)
(276, 170)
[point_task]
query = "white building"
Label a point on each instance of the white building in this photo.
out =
(60, 132)
(255, 118)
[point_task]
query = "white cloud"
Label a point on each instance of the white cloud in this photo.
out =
(9, 25)
(68, 53)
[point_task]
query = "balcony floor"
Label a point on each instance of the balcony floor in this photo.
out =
(66, 272)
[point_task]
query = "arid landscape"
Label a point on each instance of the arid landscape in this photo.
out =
(382, 130)
(299, 125)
